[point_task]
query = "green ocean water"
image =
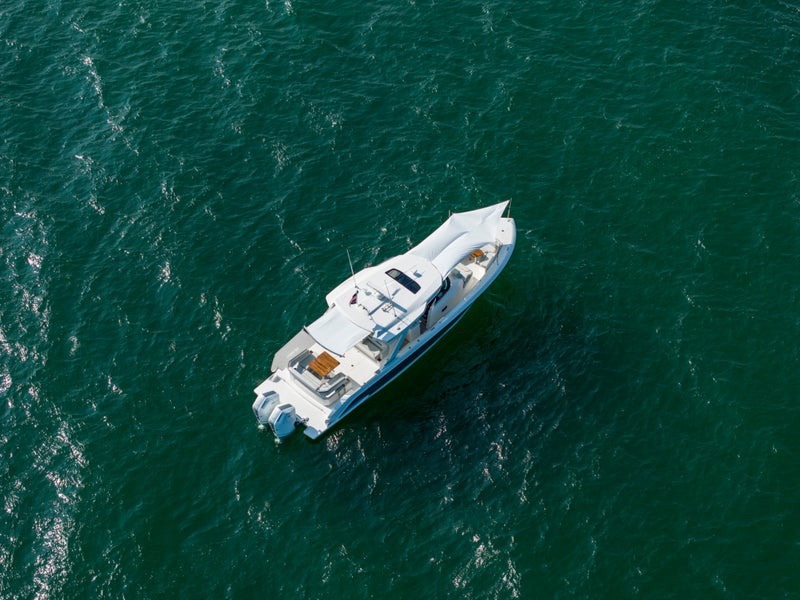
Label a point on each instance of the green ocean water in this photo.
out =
(617, 417)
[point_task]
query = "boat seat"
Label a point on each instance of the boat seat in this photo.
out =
(329, 389)
(462, 273)
(368, 348)
(300, 358)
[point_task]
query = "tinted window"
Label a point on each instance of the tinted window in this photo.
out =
(403, 280)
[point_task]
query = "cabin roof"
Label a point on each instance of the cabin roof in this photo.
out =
(384, 301)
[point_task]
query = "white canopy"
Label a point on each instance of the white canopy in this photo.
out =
(461, 234)
(335, 332)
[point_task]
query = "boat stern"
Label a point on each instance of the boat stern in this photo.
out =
(284, 404)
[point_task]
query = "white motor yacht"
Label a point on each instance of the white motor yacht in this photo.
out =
(380, 320)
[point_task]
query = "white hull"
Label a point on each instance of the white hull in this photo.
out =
(316, 386)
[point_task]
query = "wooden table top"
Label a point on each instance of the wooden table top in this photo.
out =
(323, 364)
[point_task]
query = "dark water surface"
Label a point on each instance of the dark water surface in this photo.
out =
(617, 417)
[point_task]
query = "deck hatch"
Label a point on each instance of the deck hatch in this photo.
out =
(404, 280)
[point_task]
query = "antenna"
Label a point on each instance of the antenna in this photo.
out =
(352, 272)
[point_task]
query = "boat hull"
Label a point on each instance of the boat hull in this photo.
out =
(321, 391)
